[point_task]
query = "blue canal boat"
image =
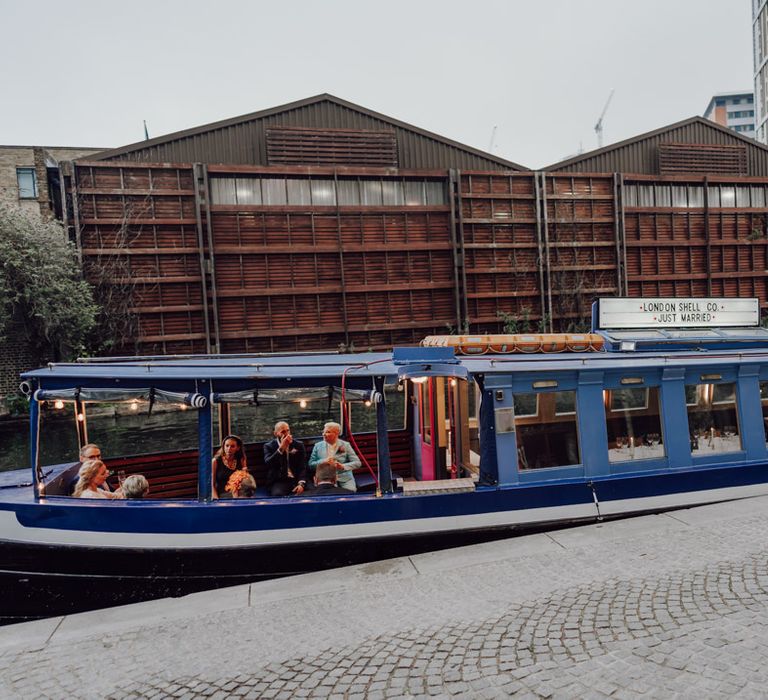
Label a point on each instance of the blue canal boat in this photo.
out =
(663, 405)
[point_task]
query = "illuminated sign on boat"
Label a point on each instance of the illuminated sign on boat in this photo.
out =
(678, 312)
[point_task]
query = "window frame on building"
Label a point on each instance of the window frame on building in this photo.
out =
(24, 189)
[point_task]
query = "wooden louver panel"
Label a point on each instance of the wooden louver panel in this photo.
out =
(298, 146)
(685, 158)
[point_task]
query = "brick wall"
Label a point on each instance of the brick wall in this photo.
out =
(37, 157)
(16, 356)
(12, 157)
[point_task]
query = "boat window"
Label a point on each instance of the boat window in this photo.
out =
(363, 418)
(526, 404)
(424, 419)
(547, 430)
(724, 393)
(565, 403)
(305, 416)
(633, 421)
(128, 428)
(58, 436)
(764, 403)
(712, 419)
(629, 399)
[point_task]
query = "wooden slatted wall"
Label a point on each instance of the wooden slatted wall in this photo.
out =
(138, 233)
(294, 145)
(682, 158)
(709, 250)
(580, 246)
(499, 229)
(527, 249)
(538, 248)
(326, 277)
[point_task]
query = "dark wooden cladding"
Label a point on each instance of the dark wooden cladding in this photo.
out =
(293, 145)
(701, 251)
(580, 246)
(538, 248)
(499, 251)
(685, 158)
(309, 280)
(138, 233)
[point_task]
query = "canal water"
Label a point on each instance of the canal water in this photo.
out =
(116, 435)
(124, 429)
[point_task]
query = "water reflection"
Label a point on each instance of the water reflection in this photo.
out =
(116, 435)
(121, 430)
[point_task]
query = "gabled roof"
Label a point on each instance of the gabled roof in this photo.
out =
(638, 154)
(245, 133)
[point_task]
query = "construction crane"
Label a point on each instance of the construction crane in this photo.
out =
(493, 139)
(599, 125)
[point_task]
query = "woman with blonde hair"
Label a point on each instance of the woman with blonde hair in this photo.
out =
(92, 475)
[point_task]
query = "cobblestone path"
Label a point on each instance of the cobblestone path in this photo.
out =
(704, 634)
(659, 615)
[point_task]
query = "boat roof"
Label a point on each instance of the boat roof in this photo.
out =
(276, 369)
(227, 373)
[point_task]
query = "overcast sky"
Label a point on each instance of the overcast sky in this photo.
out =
(86, 73)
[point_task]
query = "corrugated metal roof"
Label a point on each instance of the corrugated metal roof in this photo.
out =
(639, 154)
(242, 140)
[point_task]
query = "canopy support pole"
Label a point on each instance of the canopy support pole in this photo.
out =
(204, 471)
(382, 439)
(34, 435)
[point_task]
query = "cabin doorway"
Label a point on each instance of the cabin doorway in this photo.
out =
(442, 406)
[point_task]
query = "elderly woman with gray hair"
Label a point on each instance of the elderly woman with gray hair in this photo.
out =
(339, 453)
(135, 486)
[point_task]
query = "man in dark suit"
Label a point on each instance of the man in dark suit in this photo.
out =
(325, 481)
(286, 463)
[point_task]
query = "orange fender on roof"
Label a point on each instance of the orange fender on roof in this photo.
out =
(528, 343)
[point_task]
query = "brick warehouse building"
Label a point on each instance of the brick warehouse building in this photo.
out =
(321, 224)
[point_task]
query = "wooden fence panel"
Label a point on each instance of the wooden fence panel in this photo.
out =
(371, 257)
(298, 277)
(580, 247)
(696, 236)
(138, 233)
(499, 232)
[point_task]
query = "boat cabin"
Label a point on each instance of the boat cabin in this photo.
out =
(660, 387)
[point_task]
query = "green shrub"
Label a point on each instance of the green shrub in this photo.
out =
(41, 285)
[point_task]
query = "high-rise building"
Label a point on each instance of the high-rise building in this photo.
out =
(760, 53)
(734, 110)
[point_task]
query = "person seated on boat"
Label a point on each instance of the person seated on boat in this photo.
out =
(93, 474)
(245, 488)
(230, 457)
(339, 453)
(135, 486)
(285, 459)
(325, 481)
(89, 451)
